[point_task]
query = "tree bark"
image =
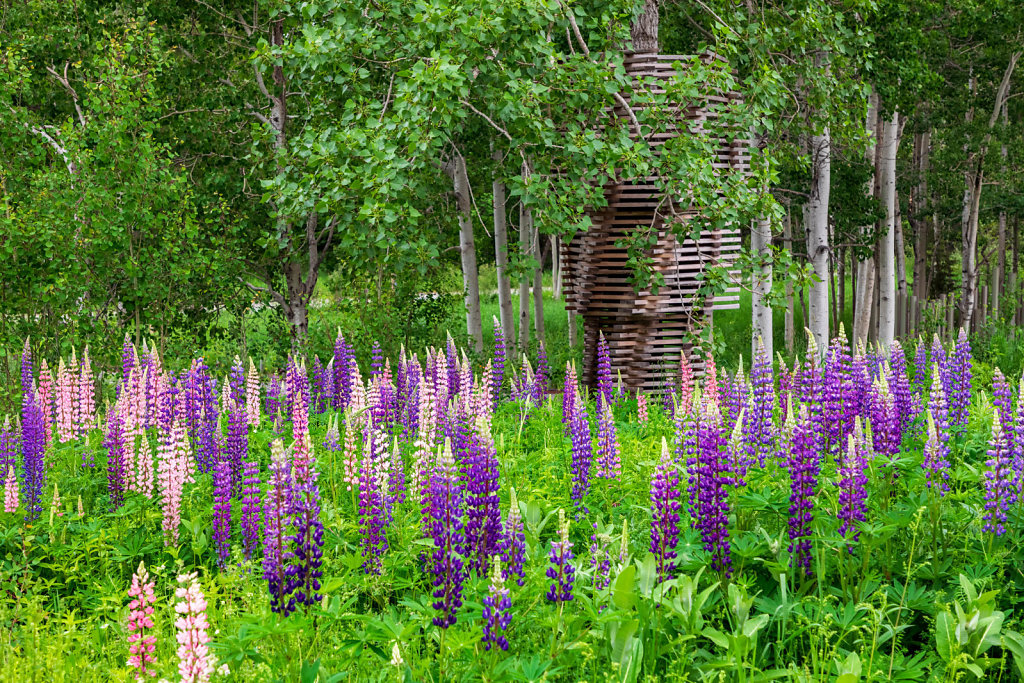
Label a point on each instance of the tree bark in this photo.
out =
(787, 239)
(644, 29)
(919, 209)
(974, 178)
(865, 292)
(887, 241)
(508, 325)
(467, 249)
(525, 228)
(538, 285)
(998, 282)
(760, 244)
(817, 236)
(556, 267)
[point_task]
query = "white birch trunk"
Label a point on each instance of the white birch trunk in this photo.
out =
(525, 228)
(760, 244)
(887, 242)
(508, 327)
(865, 292)
(817, 236)
(467, 250)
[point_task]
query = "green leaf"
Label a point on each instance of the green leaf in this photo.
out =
(944, 636)
(623, 595)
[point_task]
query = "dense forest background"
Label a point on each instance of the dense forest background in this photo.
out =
(240, 176)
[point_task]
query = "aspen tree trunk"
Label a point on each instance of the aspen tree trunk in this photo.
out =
(644, 29)
(974, 179)
(508, 326)
(556, 267)
(760, 244)
(538, 285)
(817, 236)
(919, 207)
(467, 249)
(525, 228)
(787, 238)
(901, 263)
(886, 264)
(865, 293)
(999, 280)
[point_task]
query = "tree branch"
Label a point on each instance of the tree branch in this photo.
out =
(66, 82)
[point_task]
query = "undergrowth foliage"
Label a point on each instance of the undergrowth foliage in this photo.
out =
(854, 518)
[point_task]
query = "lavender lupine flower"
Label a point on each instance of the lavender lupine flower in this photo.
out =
(273, 403)
(609, 465)
(811, 386)
(396, 475)
(251, 507)
(804, 466)
(33, 438)
(686, 445)
(342, 378)
(236, 445)
(483, 516)
(499, 363)
(604, 371)
(319, 397)
(785, 384)
(711, 476)
(961, 380)
(446, 530)
(885, 427)
(737, 454)
(222, 506)
(835, 383)
(920, 369)
(758, 427)
(999, 481)
(116, 465)
(497, 613)
(570, 391)
(600, 560)
(940, 361)
(304, 574)
(541, 377)
(582, 451)
(561, 572)
(9, 448)
(665, 514)
(277, 509)
(513, 542)
(236, 382)
(733, 396)
(1017, 440)
(936, 460)
(1002, 399)
(852, 486)
(373, 513)
(900, 386)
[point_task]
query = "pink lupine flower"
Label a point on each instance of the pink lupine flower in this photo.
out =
(252, 396)
(10, 491)
(711, 394)
(140, 622)
(195, 660)
(172, 472)
(65, 403)
(45, 396)
(641, 407)
(86, 395)
(144, 467)
(351, 456)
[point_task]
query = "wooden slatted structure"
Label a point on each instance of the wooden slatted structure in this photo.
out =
(647, 331)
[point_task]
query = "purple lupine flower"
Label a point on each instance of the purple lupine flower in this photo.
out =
(758, 426)
(513, 542)
(852, 485)
(497, 613)
(33, 447)
(319, 397)
(499, 364)
(9, 447)
(961, 380)
(483, 516)
(711, 476)
(277, 510)
(222, 505)
(570, 392)
(811, 387)
(272, 403)
(665, 514)
(304, 574)
(900, 386)
(1017, 440)
(609, 465)
(686, 448)
(737, 454)
(936, 454)
(859, 394)
(561, 572)
(236, 382)
(541, 377)
(128, 358)
(785, 385)
(373, 513)
(885, 427)
(26, 375)
(114, 442)
(836, 382)
(582, 451)
(376, 360)
(201, 414)
(804, 466)
(999, 481)
(446, 529)
(604, 371)
(1002, 399)
(251, 507)
(733, 396)
(342, 377)
(396, 476)
(236, 445)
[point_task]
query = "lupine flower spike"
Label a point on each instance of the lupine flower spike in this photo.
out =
(561, 572)
(497, 610)
(142, 641)
(195, 660)
(665, 513)
(10, 491)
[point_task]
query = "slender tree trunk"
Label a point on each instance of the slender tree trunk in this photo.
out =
(998, 282)
(760, 244)
(508, 326)
(467, 249)
(919, 209)
(865, 292)
(525, 228)
(886, 266)
(974, 179)
(817, 236)
(556, 267)
(538, 285)
(841, 287)
(787, 238)
(644, 29)
(901, 266)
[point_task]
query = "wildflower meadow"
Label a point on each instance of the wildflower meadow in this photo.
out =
(855, 517)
